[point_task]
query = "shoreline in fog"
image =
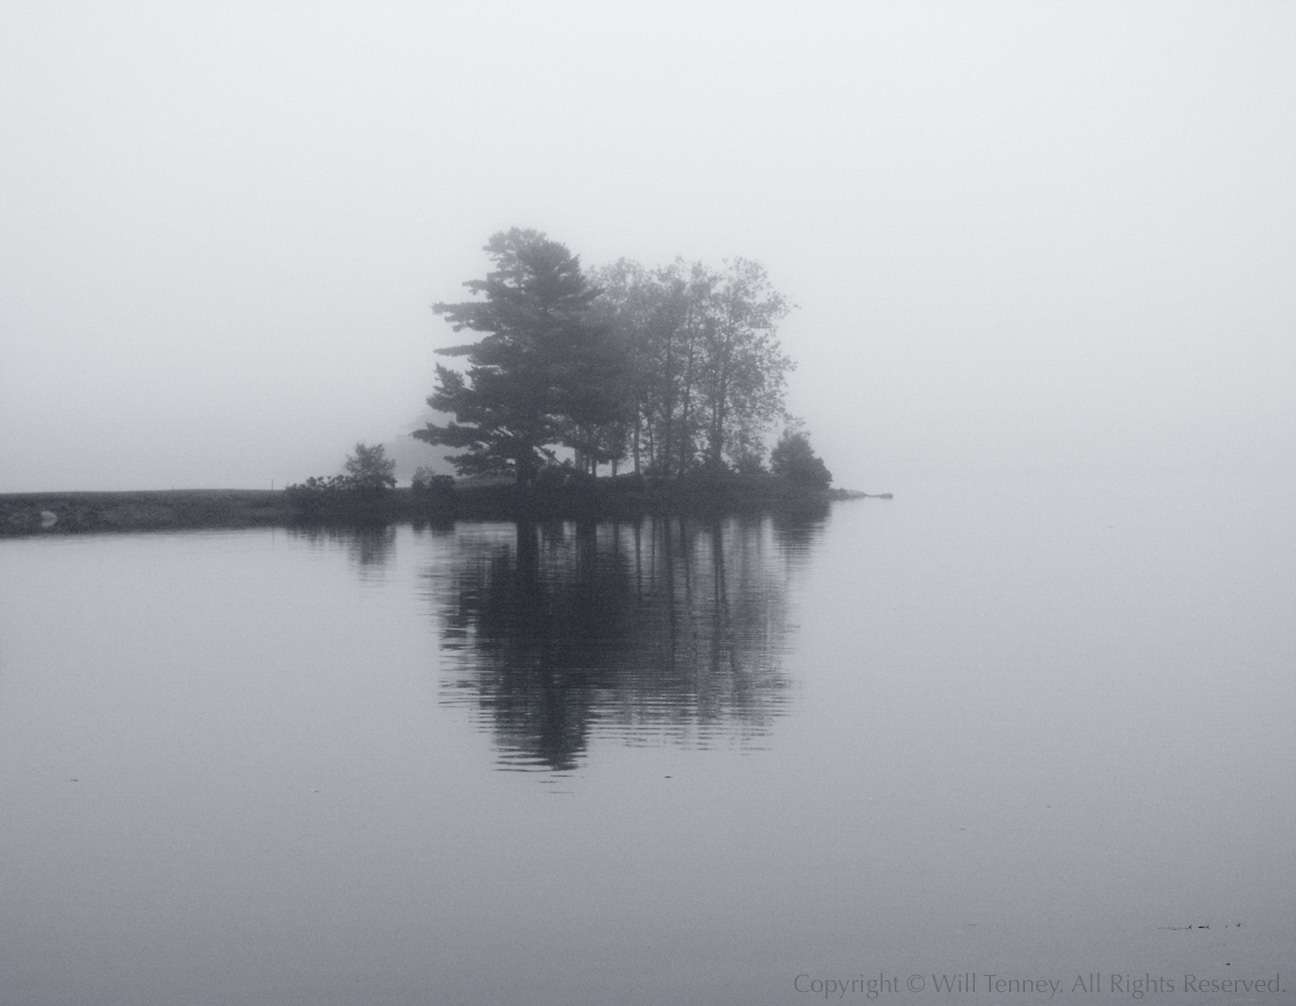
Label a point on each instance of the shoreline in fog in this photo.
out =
(36, 513)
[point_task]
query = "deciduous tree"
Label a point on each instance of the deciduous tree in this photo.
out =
(744, 373)
(795, 460)
(707, 374)
(370, 470)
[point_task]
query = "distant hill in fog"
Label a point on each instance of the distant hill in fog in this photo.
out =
(410, 455)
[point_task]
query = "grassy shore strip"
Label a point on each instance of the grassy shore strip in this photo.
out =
(177, 509)
(74, 512)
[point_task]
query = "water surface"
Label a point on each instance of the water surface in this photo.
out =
(1029, 730)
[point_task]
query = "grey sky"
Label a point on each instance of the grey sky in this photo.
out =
(1018, 233)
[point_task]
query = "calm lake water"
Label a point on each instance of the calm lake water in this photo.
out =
(1035, 731)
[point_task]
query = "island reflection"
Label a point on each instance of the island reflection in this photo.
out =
(665, 630)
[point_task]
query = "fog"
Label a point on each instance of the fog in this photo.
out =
(1040, 237)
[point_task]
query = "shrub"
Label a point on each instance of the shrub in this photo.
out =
(368, 475)
(317, 495)
(553, 478)
(430, 487)
(795, 460)
(748, 461)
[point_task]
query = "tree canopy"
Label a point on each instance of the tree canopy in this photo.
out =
(544, 374)
(370, 470)
(677, 368)
(708, 376)
(796, 461)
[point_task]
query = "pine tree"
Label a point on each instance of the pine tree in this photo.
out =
(543, 374)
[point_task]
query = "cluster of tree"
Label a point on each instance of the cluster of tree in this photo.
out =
(705, 375)
(675, 369)
(368, 473)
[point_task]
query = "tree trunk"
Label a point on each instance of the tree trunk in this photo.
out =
(686, 394)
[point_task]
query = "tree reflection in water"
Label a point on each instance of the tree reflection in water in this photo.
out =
(671, 629)
(369, 546)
